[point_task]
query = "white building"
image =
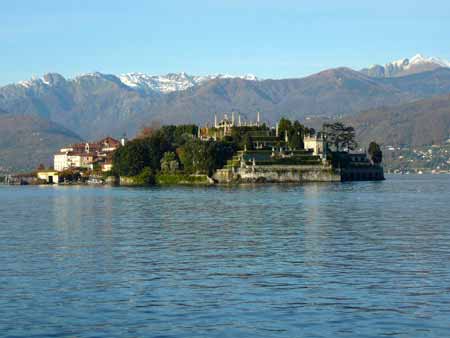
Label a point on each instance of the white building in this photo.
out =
(73, 159)
(50, 176)
(316, 143)
(85, 155)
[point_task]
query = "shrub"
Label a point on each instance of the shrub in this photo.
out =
(146, 177)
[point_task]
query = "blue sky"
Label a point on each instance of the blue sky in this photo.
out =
(271, 39)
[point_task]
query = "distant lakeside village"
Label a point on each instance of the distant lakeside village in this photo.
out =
(231, 150)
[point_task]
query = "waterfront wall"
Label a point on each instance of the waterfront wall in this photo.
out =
(165, 179)
(297, 174)
(362, 173)
(278, 174)
(183, 179)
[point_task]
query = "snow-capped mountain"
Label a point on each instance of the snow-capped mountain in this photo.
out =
(418, 59)
(168, 83)
(417, 64)
(96, 105)
(173, 81)
(49, 79)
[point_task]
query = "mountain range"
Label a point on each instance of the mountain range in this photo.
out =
(172, 82)
(94, 105)
(417, 64)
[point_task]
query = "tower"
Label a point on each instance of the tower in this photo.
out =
(257, 119)
(215, 120)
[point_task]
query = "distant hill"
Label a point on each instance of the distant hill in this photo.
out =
(95, 105)
(417, 123)
(335, 91)
(26, 141)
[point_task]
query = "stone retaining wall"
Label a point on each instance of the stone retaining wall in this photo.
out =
(278, 174)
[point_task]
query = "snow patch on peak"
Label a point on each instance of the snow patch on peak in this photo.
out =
(92, 74)
(419, 59)
(34, 81)
(173, 81)
(160, 83)
(250, 77)
(405, 66)
(168, 83)
(400, 62)
(25, 83)
(46, 81)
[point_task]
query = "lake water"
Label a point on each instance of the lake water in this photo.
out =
(361, 259)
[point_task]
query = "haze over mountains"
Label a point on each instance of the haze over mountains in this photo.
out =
(94, 105)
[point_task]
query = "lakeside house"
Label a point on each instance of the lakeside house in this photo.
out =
(87, 155)
(49, 176)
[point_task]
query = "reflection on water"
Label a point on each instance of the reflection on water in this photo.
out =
(317, 260)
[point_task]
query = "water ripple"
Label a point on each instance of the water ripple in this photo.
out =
(365, 259)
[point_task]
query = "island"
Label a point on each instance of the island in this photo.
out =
(231, 150)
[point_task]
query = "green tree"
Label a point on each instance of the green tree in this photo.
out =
(223, 152)
(242, 136)
(310, 131)
(185, 132)
(296, 136)
(168, 132)
(284, 125)
(156, 152)
(295, 131)
(296, 140)
(189, 155)
(247, 142)
(169, 162)
(145, 177)
(157, 145)
(204, 157)
(375, 153)
(131, 159)
(178, 135)
(340, 136)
